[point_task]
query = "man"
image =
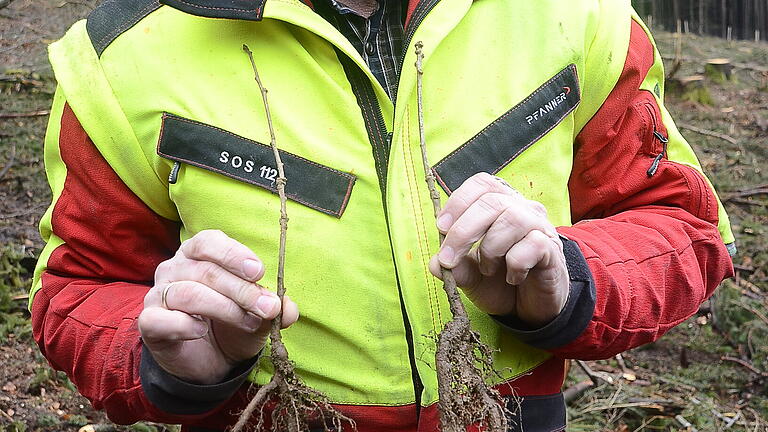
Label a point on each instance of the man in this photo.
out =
(579, 224)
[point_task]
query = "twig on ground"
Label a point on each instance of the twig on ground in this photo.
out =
(730, 421)
(20, 79)
(647, 422)
(577, 390)
(736, 200)
(743, 268)
(11, 158)
(707, 132)
(23, 213)
(749, 192)
(594, 376)
(6, 415)
(677, 384)
(685, 423)
(626, 373)
(746, 364)
(650, 403)
(754, 311)
(23, 115)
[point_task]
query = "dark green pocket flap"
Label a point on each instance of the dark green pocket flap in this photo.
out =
(508, 136)
(317, 186)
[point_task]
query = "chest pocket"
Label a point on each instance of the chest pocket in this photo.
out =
(508, 136)
(314, 185)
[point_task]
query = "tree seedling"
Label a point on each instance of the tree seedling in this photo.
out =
(462, 360)
(295, 403)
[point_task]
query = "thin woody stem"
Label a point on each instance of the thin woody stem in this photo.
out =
(280, 184)
(257, 400)
(449, 282)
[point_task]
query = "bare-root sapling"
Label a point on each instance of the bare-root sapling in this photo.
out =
(295, 403)
(463, 361)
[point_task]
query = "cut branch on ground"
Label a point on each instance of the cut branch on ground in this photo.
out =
(23, 115)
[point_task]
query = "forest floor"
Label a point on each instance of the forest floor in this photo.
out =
(708, 374)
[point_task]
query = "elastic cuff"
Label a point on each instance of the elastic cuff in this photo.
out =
(576, 314)
(175, 396)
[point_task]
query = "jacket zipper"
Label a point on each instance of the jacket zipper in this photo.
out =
(410, 30)
(662, 139)
(174, 175)
(369, 105)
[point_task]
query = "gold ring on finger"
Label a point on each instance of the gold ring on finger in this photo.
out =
(164, 295)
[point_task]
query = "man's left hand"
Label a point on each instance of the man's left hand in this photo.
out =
(504, 252)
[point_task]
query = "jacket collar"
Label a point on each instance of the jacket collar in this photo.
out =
(251, 10)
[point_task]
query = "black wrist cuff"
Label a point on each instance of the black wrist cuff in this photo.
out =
(175, 396)
(576, 314)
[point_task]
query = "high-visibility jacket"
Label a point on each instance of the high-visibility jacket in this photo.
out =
(158, 132)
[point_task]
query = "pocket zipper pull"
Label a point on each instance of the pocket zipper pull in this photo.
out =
(657, 160)
(174, 175)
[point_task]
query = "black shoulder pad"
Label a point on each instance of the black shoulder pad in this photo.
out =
(249, 10)
(114, 17)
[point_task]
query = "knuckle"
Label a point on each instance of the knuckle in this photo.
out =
(183, 296)
(483, 179)
(538, 208)
(460, 233)
(490, 202)
(538, 239)
(509, 218)
(244, 294)
(232, 312)
(148, 297)
(164, 269)
(514, 264)
(230, 251)
(191, 247)
(207, 273)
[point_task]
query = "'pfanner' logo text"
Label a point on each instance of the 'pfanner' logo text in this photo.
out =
(548, 107)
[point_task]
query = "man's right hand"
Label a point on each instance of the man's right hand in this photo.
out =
(206, 313)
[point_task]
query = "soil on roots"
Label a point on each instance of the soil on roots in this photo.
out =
(463, 363)
(296, 406)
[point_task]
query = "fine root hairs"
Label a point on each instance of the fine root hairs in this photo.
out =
(296, 405)
(462, 360)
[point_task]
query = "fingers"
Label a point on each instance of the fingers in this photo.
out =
(248, 295)
(194, 298)
(158, 324)
(535, 250)
(465, 272)
(290, 313)
(500, 220)
(216, 247)
(466, 195)
(513, 224)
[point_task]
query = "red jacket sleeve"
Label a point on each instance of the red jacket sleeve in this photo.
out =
(648, 233)
(93, 283)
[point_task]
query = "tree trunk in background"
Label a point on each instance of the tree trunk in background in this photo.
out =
(723, 18)
(746, 18)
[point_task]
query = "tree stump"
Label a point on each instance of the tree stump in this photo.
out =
(719, 70)
(691, 88)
